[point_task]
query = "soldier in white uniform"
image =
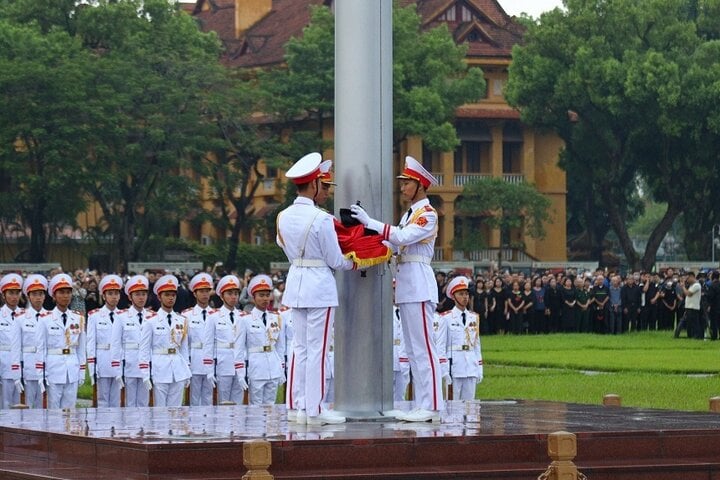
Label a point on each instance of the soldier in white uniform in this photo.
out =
(307, 236)
(416, 289)
(401, 363)
(440, 335)
(265, 344)
(34, 288)
(201, 388)
(463, 341)
(103, 375)
(164, 357)
(125, 344)
(10, 341)
(61, 346)
(224, 344)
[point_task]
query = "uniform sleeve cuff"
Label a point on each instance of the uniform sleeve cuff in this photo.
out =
(375, 225)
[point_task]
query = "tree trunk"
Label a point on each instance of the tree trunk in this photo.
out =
(618, 224)
(37, 233)
(657, 235)
(234, 241)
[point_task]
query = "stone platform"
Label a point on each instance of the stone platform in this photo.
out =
(488, 440)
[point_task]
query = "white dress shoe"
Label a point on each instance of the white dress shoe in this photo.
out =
(398, 414)
(301, 417)
(292, 415)
(422, 415)
(325, 419)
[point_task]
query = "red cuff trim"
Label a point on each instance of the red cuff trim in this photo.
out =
(114, 364)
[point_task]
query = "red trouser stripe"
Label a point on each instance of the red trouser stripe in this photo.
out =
(324, 353)
(290, 384)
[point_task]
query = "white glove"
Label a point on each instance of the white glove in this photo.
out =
(41, 383)
(212, 380)
(120, 381)
(242, 382)
(359, 214)
(19, 385)
(92, 380)
(148, 384)
(448, 379)
(187, 383)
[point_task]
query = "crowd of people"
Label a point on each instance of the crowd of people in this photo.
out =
(594, 302)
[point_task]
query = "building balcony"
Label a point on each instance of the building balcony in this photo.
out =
(462, 179)
(494, 254)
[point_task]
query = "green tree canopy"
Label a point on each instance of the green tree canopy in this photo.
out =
(620, 82)
(503, 206)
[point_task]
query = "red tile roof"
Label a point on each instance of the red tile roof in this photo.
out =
(493, 32)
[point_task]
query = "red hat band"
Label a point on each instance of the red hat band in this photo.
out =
(408, 172)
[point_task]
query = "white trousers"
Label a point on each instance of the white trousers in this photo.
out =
(108, 392)
(168, 394)
(262, 392)
(62, 395)
(417, 321)
(10, 393)
(401, 380)
(33, 397)
(464, 388)
(136, 393)
(306, 384)
(201, 391)
(229, 389)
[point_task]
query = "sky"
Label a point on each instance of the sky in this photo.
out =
(532, 7)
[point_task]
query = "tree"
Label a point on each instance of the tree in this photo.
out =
(430, 76)
(504, 206)
(43, 126)
(623, 68)
(152, 71)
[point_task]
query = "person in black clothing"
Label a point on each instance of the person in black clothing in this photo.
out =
(480, 303)
(554, 302)
(600, 296)
(668, 305)
(713, 302)
(569, 308)
(648, 301)
(496, 315)
(514, 309)
(630, 294)
(528, 309)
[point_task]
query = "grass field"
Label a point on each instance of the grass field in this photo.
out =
(647, 369)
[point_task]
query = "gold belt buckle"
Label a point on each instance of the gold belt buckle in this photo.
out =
(466, 347)
(331, 348)
(397, 342)
(171, 351)
(267, 348)
(66, 351)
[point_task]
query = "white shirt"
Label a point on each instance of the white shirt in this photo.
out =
(305, 231)
(692, 302)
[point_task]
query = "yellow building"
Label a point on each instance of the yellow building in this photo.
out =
(494, 141)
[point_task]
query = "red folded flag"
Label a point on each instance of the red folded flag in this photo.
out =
(364, 250)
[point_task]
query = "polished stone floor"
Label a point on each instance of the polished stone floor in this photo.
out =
(239, 423)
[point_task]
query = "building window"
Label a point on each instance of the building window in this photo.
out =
(472, 157)
(512, 152)
(465, 13)
(449, 15)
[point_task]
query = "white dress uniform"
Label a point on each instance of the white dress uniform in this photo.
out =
(401, 363)
(463, 347)
(224, 347)
(99, 346)
(416, 290)
(330, 371)
(29, 339)
(125, 349)
(61, 350)
(265, 346)
(10, 354)
(201, 389)
(29, 334)
(307, 236)
(164, 357)
(440, 335)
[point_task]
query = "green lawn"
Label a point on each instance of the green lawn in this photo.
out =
(646, 370)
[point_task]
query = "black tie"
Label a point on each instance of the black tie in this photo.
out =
(64, 317)
(112, 317)
(169, 320)
(397, 313)
(463, 318)
(140, 318)
(12, 314)
(232, 318)
(409, 214)
(264, 319)
(37, 317)
(204, 312)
